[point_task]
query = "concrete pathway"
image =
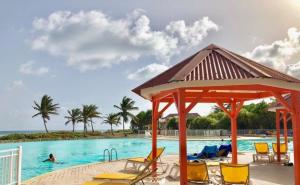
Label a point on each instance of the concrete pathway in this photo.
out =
(260, 173)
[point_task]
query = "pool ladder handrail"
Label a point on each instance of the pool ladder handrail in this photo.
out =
(104, 152)
(111, 153)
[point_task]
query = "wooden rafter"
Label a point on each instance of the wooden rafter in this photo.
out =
(220, 104)
(281, 100)
(164, 108)
(240, 106)
(192, 104)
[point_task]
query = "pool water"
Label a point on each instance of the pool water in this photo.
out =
(75, 152)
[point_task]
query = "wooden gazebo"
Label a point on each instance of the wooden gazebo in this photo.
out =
(217, 75)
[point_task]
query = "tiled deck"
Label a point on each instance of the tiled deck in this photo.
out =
(260, 173)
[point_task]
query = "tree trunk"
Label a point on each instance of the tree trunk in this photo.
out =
(92, 126)
(111, 129)
(45, 125)
(124, 127)
(73, 124)
(84, 128)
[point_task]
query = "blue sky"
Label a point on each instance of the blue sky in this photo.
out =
(95, 52)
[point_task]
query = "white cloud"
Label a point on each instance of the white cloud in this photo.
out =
(29, 69)
(280, 53)
(147, 72)
(90, 40)
(294, 69)
(191, 35)
(16, 85)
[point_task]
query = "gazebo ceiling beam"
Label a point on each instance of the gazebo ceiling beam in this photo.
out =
(203, 100)
(163, 94)
(260, 91)
(281, 100)
(230, 113)
(164, 108)
(192, 104)
(221, 105)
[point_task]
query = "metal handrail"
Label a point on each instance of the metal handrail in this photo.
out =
(10, 150)
(11, 161)
(111, 153)
(104, 152)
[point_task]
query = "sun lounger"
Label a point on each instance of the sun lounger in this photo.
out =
(197, 172)
(103, 183)
(206, 153)
(262, 151)
(128, 178)
(209, 152)
(224, 150)
(133, 181)
(283, 151)
(234, 173)
(143, 161)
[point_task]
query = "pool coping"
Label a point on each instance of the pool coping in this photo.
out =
(67, 168)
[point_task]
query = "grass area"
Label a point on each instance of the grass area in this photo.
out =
(62, 135)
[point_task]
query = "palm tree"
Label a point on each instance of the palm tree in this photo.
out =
(142, 121)
(73, 117)
(87, 114)
(126, 105)
(112, 119)
(45, 109)
(84, 117)
(93, 114)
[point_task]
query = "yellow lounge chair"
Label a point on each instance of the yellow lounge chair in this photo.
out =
(103, 183)
(197, 172)
(143, 161)
(128, 178)
(138, 178)
(234, 173)
(283, 151)
(262, 151)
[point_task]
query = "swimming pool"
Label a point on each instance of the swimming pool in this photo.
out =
(76, 152)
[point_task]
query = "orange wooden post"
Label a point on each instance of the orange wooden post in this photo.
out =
(182, 137)
(285, 130)
(296, 134)
(233, 118)
(278, 134)
(155, 105)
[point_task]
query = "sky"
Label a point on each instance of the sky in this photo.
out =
(95, 52)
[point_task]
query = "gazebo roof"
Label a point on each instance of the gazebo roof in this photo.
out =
(215, 66)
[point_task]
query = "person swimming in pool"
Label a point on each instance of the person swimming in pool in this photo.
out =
(50, 159)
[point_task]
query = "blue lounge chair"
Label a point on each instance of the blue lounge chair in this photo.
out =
(209, 152)
(224, 150)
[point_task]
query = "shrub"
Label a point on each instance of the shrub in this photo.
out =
(172, 124)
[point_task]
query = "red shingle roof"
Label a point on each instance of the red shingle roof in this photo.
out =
(215, 63)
